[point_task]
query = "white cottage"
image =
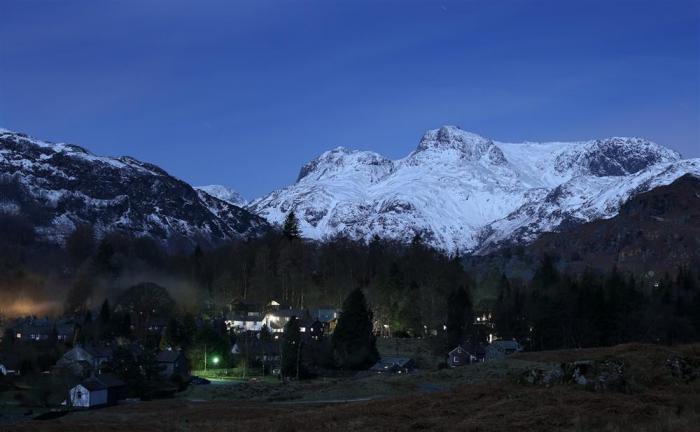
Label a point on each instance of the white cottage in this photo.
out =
(97, 391)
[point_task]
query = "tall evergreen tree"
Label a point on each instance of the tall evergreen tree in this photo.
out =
(354, 344)
(459, 317)
(291, 349)
(290, 229)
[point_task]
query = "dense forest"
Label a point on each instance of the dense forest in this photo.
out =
(412, 289)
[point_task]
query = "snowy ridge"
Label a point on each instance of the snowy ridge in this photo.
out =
(58, 186)
(463, 192)
(224, 193)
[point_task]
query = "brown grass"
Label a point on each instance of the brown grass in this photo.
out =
(657, 403)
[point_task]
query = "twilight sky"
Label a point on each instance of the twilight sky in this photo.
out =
(242, 93)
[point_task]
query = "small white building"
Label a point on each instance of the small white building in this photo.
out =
(88, 394)
(96, 391)
(241, 323)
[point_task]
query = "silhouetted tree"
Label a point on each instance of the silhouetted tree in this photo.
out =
(354, 344)
(290, 229)
(459, 317)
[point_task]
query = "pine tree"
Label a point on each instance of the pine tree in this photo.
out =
(353, 342)
(291, 349)
(290, 229)
(459, 317)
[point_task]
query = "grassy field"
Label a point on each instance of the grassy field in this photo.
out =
(657, 395)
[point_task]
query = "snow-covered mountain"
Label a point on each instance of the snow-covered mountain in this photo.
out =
(224, 193)
(57, 186)
(463, 192)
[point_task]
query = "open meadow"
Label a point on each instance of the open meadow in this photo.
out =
(657, 389)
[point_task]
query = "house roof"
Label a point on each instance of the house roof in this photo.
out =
(299, 313)
(246, 318)
(459, 349)
(110, 380)
(310, 322)
(388, 362)
(93, 384)
(324, 314)
(98, 351)
(505, 344)
(102, 382)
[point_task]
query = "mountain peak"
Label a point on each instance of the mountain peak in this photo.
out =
(468, 145)
(224, 193)
(453, 138)
(341, 159)
(618, 156)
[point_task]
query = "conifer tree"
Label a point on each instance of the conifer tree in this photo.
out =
(290, 229)
(291, 349)
(459, 317)
(353, 342)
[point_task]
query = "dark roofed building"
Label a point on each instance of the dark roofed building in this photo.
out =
(458, 357)
(394, 365)
(499, 349)
(173, 362)
(93, 355)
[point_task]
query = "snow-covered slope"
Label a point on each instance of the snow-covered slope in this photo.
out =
(224, 193)
(461, 191)
(58, 186)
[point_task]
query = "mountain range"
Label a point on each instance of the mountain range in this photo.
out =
(459, 191)
(462, 192)
(60, 186)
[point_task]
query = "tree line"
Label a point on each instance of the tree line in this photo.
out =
(413, 290)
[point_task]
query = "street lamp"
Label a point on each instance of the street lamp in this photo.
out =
(215, 360)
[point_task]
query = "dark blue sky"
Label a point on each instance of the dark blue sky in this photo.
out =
(243, 93)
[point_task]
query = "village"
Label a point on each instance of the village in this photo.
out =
(51, 366)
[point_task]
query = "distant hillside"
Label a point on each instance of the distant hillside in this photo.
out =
(654, 232)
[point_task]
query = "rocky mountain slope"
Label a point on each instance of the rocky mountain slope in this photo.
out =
(463, 192)
(655, 231)
(57, 186)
